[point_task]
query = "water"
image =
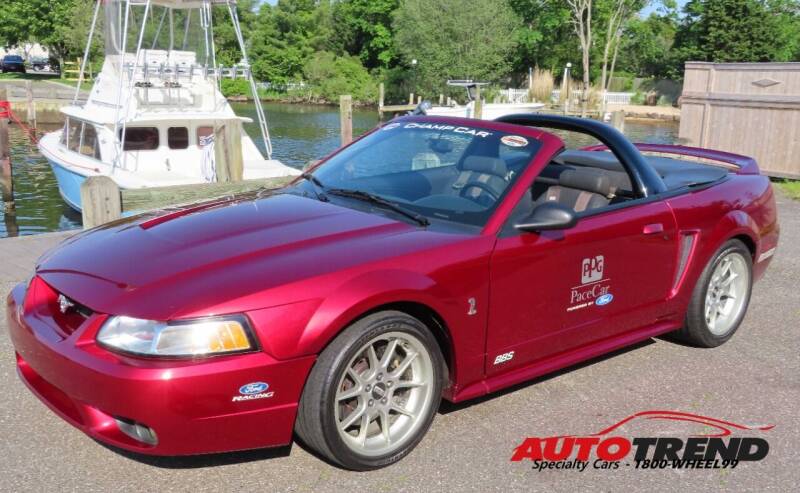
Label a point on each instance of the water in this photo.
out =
(300, 133)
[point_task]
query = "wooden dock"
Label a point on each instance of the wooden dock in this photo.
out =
(19, 255)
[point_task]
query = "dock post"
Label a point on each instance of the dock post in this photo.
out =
(31, 104)
(228, 159)
(441, 99)
(6, 175)
(411, 99)
(100, 201)
(381, 94)
(346, 118)
(477, 112)
(618, 120)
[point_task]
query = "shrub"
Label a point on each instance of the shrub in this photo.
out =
(330, 76)
(235, 88)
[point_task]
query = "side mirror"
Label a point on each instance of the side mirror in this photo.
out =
(548, 216)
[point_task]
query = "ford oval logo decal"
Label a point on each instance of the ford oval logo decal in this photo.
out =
(604, 300)
(253, 388)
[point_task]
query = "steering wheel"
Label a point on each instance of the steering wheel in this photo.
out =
(476, 184)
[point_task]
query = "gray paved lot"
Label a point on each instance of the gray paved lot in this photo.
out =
(754, 379)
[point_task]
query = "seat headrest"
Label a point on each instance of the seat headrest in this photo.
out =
(587, 180)
(485, 164)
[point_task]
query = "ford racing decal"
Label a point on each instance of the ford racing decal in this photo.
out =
(254, 390)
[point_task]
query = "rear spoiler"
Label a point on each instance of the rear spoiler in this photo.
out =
(744, 165)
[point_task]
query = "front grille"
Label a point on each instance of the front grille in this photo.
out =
(67, 314)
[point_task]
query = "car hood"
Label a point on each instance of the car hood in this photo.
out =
(184, 261)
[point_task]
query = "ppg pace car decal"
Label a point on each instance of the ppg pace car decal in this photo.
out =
(594, 287)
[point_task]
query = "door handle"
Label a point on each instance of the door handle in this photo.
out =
(652, 229)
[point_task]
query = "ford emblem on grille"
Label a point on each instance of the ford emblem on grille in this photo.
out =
(64, 304)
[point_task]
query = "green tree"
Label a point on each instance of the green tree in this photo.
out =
(736, 31)
(453, 40)
(60, 25)
(545, 38)
(286, 35)
(646, 45)
(228, 50)
(331, 76)
(364, 28)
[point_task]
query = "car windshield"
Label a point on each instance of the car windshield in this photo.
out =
(13, 58)
(437, 170)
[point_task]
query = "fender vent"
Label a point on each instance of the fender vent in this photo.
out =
(686, 247)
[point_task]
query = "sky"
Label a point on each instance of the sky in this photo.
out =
(652, 7)
(646, 11)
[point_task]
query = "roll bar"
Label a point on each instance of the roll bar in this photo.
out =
(642, 174)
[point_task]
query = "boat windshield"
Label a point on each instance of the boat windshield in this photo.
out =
(437, 170)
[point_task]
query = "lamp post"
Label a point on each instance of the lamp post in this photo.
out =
(565, 86)
(414, 69)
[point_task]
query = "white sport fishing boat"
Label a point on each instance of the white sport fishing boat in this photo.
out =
(150, 118)
(490, 111)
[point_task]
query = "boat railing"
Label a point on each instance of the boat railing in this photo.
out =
(162, 84)
(150, 72)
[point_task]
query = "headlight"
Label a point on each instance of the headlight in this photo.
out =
(182, 338)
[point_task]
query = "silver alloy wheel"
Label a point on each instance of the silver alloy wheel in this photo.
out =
(726, 293)
(384, 394)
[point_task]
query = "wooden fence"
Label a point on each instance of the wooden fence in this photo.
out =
(745, 108)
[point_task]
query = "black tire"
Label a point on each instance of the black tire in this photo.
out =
(316, 423)
(695, 330)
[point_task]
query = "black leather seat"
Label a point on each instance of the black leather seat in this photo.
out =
(580, 189)
(479, 173)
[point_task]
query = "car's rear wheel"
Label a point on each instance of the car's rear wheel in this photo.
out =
(373, 392)
(720, 298)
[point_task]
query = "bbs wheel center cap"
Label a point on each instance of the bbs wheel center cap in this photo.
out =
(379, 391)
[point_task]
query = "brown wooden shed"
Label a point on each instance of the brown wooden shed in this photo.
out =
(746, 108)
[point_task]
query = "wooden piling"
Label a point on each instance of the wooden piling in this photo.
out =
(228, 159)
(478, 110)
(6, 174)
(31, 104)
(441, 99)
(411, 99)
(618, 120)
(346, 118)
(100, 201)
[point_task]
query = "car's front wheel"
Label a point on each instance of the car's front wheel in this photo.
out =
(721, 297)
(373, 392)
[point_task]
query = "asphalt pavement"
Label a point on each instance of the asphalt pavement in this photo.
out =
(753, 379)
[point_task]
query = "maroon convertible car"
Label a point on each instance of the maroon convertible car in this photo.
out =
(432, 258)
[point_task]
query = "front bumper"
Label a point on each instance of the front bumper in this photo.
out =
(188, 404)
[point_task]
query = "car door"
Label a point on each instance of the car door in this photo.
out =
(555, 291)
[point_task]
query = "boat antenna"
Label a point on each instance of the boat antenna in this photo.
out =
(86, 52)
(133, 75)
(213, 45)
(262, 119)
(158, 31)
(119, 141)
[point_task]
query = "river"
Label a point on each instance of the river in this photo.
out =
(300, 133)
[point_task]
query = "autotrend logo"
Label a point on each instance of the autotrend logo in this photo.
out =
(608, 450)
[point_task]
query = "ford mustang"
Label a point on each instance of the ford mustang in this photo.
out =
(432, 258)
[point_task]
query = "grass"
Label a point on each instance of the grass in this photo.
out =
(27, 76)
(790, 188)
